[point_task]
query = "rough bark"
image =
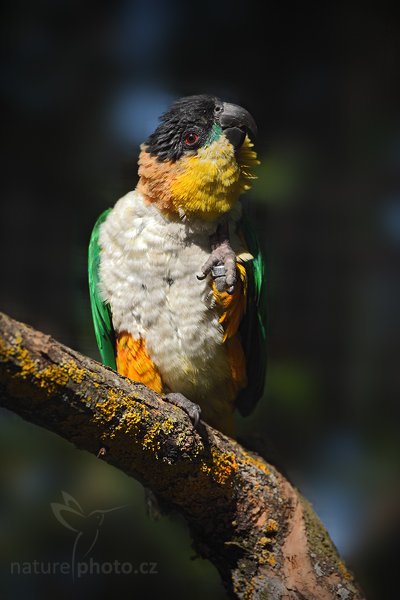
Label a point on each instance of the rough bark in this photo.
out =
(245, 517)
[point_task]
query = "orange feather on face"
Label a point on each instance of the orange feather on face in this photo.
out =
(134, 362)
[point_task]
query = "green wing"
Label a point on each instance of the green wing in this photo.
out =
(253, 326)
(101, 312)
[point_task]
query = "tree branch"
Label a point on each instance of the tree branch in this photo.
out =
(244, 516)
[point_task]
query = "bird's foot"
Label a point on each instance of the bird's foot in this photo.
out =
(190, 408)
(222, 261)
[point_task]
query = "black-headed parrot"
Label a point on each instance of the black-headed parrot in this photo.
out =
(176, 275)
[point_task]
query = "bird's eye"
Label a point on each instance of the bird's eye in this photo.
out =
(191, 138)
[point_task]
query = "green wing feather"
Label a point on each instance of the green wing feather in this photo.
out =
(101, 312)
(253, 325)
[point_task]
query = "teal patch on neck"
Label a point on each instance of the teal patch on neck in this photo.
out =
(215, 134)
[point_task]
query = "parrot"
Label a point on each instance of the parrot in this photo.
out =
(176, 274)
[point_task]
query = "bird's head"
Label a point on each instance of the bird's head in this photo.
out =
(199, 159)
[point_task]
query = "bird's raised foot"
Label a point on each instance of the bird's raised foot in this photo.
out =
(222, 261)
(190, 408)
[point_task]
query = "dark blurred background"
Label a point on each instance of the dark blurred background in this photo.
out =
(82, 85)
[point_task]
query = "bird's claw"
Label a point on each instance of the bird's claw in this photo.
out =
(222, 265)
(190, 408)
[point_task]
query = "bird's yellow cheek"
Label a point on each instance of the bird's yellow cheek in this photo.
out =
(208, 184)
(205, 185)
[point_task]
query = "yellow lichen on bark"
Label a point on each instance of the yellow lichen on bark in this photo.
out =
(253, 460)
(48, 378)
(129, 413)
(221, 467)
(152, 439)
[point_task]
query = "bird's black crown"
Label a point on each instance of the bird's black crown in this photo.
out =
(192, 115)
